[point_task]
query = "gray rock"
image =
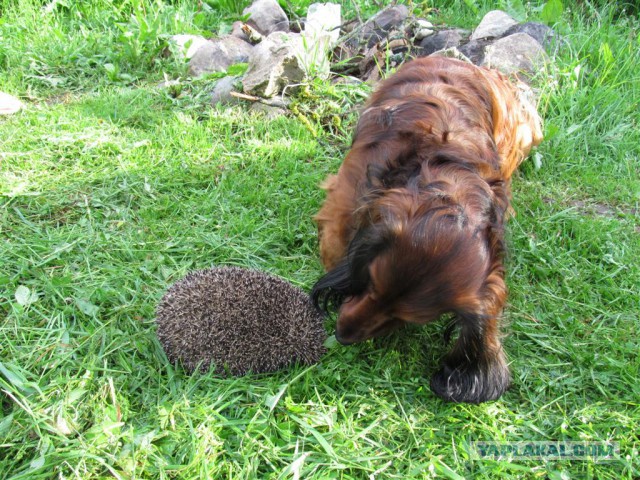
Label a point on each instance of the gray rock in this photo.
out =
(377, 27)
(373, 76)
(267, 17)
(543, 34)
(269, 111)
(9, 104)
(474, 50)
(219, 54)
(451, 52)
(441, 40)
(350, 25)
(274, 64)
(372, 58)
(516, 54)
(422, 29)
(187, 45)
(311, 50)
(236, 31)
(221, 92)
(493, 25)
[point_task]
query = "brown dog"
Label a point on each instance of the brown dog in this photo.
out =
(412, 226)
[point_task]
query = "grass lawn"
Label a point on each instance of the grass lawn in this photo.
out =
(112, 188)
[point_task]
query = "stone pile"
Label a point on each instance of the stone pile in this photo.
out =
(282, 54)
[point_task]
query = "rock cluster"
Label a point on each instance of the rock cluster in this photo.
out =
(281, 54)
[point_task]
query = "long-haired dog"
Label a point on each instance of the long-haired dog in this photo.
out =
(412, 226)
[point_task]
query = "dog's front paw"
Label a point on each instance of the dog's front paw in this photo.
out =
(471, 383)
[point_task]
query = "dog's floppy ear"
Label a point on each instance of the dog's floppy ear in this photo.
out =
(495, 229)
(333, 287)
(375, 177)
(351, 276)
(500, 202)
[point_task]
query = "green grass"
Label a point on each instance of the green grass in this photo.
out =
(111, 190)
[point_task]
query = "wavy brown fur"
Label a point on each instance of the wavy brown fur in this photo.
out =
(412, 226)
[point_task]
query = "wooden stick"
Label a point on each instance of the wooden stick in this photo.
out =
(273, 102)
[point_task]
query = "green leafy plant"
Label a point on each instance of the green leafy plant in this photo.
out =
(141, 39)
(552, 11)
(229, 7)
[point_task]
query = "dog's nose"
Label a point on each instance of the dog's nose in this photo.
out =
(342, 340)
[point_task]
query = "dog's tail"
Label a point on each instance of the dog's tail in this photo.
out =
(516, 122)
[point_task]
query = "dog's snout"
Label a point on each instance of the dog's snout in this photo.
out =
(342, 340)
(345, 336)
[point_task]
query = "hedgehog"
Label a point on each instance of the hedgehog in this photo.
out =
(237, 321)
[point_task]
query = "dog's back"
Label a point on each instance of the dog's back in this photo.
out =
(464, 100)
(430, 106)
